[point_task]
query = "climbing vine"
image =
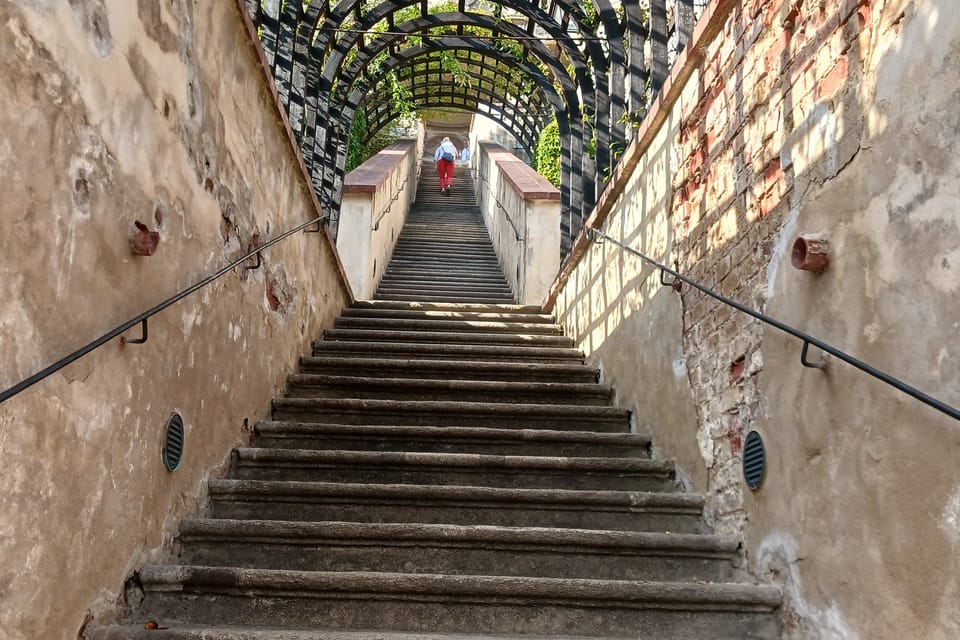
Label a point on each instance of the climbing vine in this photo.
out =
(548, 153)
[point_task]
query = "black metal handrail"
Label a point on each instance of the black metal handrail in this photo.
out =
(807, 339)
(519, 237)
(141, 319)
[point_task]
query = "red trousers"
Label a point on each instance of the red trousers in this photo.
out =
(445, 169)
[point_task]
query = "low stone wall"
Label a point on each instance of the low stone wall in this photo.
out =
(114, 113)
(783, 119)
(522, 213)
(376, 196)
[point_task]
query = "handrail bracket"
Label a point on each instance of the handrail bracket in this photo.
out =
(143, 335)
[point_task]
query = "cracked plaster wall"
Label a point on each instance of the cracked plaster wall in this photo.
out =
(805, 117)
(115, 111)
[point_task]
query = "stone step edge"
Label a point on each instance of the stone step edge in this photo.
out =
(556, 540)
(470, 461)
(676, 503)
(442, 406)
(532, 318)
(444, 306)
(580, 592)
(411, 385)
(451, 366)
(441, 324)
(514, 339)
(292, 428)
(175, 631)
(488, 350)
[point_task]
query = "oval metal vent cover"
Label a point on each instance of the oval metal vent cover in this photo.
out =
(173, 443)
(754, 460)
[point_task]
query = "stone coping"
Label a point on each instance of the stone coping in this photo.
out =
(525, 181)
(372, 174)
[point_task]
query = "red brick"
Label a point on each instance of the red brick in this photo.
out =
(835, 80)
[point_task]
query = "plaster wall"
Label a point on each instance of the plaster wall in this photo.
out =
(521, 211)
(799, 117)
(376, 197)
(115, 111)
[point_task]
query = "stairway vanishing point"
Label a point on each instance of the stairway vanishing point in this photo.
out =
(444, 466)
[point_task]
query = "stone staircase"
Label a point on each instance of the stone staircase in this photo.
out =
(445, 466)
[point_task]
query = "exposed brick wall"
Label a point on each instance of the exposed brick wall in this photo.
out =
(775, 61)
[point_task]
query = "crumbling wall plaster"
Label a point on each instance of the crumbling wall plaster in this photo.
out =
(805, 117)
(115, 112)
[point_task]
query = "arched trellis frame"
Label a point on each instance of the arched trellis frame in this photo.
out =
(528, 111)
(627, 50)
(565, 105)
(581, 176)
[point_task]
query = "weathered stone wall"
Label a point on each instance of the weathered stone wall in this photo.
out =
(801, 117)
(115, 111)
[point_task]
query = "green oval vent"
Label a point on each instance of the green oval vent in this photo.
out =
(173, 443)
(754, 460)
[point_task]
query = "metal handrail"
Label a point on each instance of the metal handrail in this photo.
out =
(516, 232)
(386, 208)
(141, 319)
(807, 339)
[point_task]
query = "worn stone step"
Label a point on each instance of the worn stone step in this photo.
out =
(453, 469)
(523, 340)
(313, 435)
(462, 245)
(426, 314)
(442, 290)
(318, 501)
(442, 351)
(459, 604)
(426, 369)
(173, 630)
(443, 281)
(456, 326)
(454, 278)
(437, 261)
(412, 275)
(309, 385)
(414, 296)
(457, 550)
(456, 414)
(451, 307)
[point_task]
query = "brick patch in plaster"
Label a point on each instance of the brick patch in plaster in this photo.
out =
(777, 560)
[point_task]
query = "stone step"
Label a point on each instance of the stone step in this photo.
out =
(450, 352)
(453, 469)
(444, 306)
(429, 275)
(443, 288)
(560, 417)
(414, 296)
(457, 604)
(309, 385)
(314, 435)
(457, 550)
(467, 316)
(463, 505)
(450, 337)
(456, 326)
(425, 369)
(453, 272)
(179, 631)
(487, 261)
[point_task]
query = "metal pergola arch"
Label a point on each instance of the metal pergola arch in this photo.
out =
(627, 50)
(525, 109)
(571, 94)
(572, 139)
